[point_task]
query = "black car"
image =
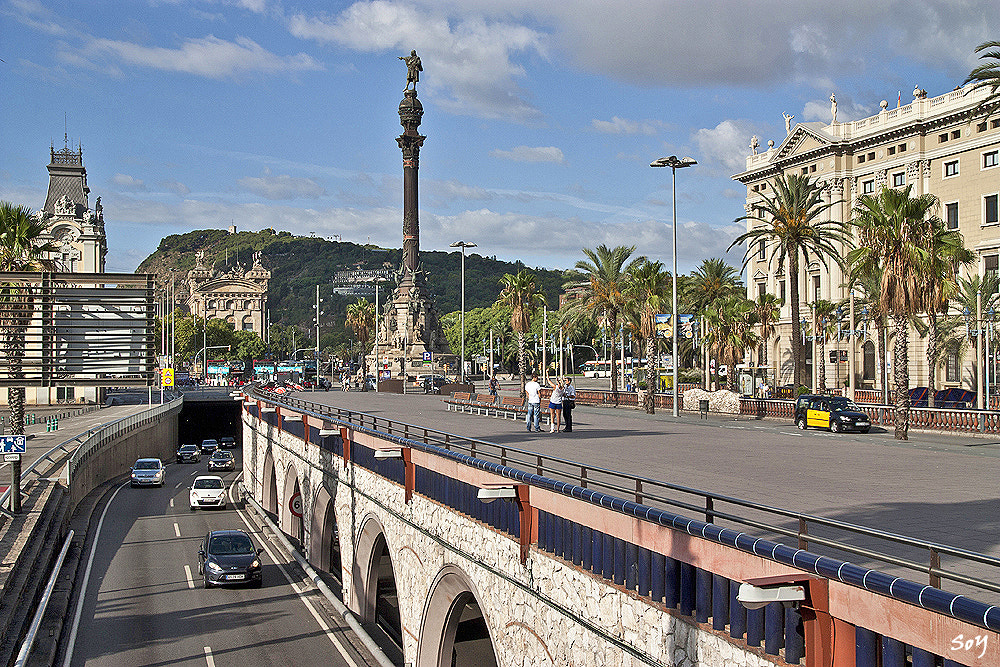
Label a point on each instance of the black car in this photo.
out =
(228, 557)
(836, 413)
(433, 384)
(188, 453)
(209, 446)
(227, 442)
(222, 460)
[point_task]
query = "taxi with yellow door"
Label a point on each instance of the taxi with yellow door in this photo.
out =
(836, 413)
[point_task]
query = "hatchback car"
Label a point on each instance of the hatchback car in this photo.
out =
(222, 460)
(228, 557)
(207, 491)
(147, 472)
(836, 413)
(209, 446)
(188, 453)
(227, 442)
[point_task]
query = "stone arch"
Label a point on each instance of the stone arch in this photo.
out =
(454, 630)
(324, 537)
(374, 596)
(290, 524)
(269, 484)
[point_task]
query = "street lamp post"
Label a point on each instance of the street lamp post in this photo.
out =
(674, 163)
(463, 245)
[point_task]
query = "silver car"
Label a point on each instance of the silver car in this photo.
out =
(147, 472)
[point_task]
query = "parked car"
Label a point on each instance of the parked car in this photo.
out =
(189, 453)
(228, 557)
(836, 413)
(222, 460)
(147, 472)
(432, 383)
(209, 446)
(227, 442)
(207, 491)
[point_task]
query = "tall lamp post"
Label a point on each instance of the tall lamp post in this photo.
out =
(674, 163)
(463, 245)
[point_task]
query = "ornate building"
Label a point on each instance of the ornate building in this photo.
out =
(72, 226)
(931, 144)
(236, 295)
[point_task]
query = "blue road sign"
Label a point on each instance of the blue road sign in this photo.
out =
(13, 444)
(428, 356)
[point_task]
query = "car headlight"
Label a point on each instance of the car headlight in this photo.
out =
(212, 567)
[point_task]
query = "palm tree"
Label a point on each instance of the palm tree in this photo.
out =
(947, 252)
(868, 278)
(648, 292)
(825, 326)
(361, 318)
(711, 281)
(520, 294)
(792, 227)
(984, 293)
(986, 75)
(895, 230)
(603, 289)
(731, 332)
(767, 311)
(20, 250)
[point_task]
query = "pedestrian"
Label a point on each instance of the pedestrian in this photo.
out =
(568, 403)
(494, 386)
(555, 405)
(532, 389)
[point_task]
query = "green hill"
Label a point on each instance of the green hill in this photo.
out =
(298, 264)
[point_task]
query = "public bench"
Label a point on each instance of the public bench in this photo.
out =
(509, 407)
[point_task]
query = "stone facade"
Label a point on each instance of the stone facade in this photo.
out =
(544, 612)
(931, 144)
(237, 294)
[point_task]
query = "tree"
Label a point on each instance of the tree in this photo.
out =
(361, 318)
(603, 289)
(982, 292)
(648, 292)
(894, 229)
(767, 311)
(711, 281)
(521, 296)
(791, 226)
(20, 251)
(986, 76)
(731, 323)
(825, 327)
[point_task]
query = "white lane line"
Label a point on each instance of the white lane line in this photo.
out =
(178, 485)
(312, 610)
(171, 502)
(177, 530)
(86, 580)
(187, 573)
(208, 656)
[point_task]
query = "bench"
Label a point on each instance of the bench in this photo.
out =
(509, 407)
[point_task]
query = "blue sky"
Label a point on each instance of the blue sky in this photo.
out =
(541, 116)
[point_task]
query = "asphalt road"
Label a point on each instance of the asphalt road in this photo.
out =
(145, 604)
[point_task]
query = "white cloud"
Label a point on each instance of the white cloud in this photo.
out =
(530, 154)
(725, 146)
(175, 187)
(474, 71)
(127, 183)
(622, 126)
(281, 186)
(847, 110)
(207, 56)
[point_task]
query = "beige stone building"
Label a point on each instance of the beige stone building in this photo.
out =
(931, 144)
(236, 294)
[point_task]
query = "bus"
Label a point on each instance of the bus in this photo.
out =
(596, 369)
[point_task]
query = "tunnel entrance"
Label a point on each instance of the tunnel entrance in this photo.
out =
(212, 415)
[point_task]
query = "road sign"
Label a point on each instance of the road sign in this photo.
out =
(11, 458)
(13, 444)
(428, 356)
(295, 504)
(168, 377)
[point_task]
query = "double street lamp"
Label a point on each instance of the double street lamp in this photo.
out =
(674, 163)
(463, 245)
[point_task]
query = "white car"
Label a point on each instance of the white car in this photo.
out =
(208, 491)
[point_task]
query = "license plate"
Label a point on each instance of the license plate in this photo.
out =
(235, 577)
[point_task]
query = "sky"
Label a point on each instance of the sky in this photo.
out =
(541, 116)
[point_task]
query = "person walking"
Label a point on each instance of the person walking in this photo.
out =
(494, 386)
(555, 405)
(532, 389)
(568, 403)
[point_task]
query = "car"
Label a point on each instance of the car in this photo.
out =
(432, 383)
(207, 491)
(836, 413)
(222, 460)
(227, 442)
(209, 446)
(188, 453)
(228, 557)
(147, 472)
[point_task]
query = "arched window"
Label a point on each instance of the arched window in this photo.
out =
(868, 372)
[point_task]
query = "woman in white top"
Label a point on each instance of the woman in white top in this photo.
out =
(555, 405)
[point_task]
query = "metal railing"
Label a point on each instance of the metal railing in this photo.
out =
(806, 529)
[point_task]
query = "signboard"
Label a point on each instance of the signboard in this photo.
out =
(428, 356)
(384, 375)
(664, 330)
(11, 458)
(295, 504)
(218, 367)
(167, 377)
(13, 444)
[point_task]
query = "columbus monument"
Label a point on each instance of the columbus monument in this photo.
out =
(410, 326)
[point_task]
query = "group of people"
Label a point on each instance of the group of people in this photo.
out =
(561, 404)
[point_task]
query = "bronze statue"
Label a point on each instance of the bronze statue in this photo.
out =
(413, 69)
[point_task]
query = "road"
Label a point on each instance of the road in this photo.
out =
(145, 604)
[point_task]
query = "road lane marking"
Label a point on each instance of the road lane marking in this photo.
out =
(187, 573)
(177, 530)
(171, 502)
(208, 656)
